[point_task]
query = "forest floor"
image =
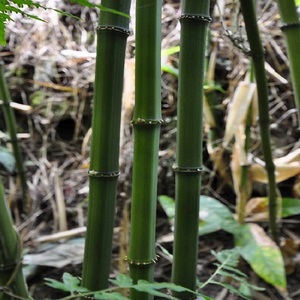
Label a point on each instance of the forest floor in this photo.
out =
(50, 68)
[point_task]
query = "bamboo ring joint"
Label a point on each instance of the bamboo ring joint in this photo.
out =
(93, 173)
(290, 25)
(187, 169)
(114, 28)
(140, 121)
(141, 263)
(196, 17)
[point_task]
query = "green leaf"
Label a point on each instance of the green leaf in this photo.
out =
(290, 207)
(56, 284)
(110, 296)
(122, 281)
(101, 7)
(232, 289)
(262, 254)
(7, 160)
(168, 205)
(169, 69)
(70, 284)
(152, 288)
(215, 216)
(297, 2)
(170, 51)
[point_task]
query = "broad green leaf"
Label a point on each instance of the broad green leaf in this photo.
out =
(290, 207)
(7, 160)
(122, 280)
(168, 205)
(262, 254)
(215, 216)
(258, 206)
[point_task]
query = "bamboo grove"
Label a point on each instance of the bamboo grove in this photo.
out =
(112, 32)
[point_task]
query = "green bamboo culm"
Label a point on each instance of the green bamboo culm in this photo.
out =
(112, 35)
(12, 281)
(10, 121)
(146, 123)
(257, 55)
(291, 30)
(194, 23)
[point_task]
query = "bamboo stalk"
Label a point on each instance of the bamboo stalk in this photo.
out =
(194, 21)
(257, 54)
(291, 30)
(12, 282)
(10, 121)
(146, 123)
(112, 33)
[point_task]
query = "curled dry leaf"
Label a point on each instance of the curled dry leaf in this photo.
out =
(283, 172)
(242, 98)
(289, 248)
(286, 167)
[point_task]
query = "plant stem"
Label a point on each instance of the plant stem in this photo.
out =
(11, 275)
(194, 23)
(10, 121)
(104, 158)
(146, 123)
(257, 54)
(291, 30)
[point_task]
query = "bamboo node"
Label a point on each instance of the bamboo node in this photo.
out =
(141, 263)
(196, 17)
(140, 121)
(93, 173)
(286, 26)
(114, 28)
(176, 168)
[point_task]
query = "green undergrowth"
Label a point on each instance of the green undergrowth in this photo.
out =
(226, 266)
(252, 242)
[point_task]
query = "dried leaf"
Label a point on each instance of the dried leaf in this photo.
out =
(283, 172)
(237, 111)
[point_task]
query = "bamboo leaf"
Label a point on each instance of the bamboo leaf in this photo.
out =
(262, 254)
